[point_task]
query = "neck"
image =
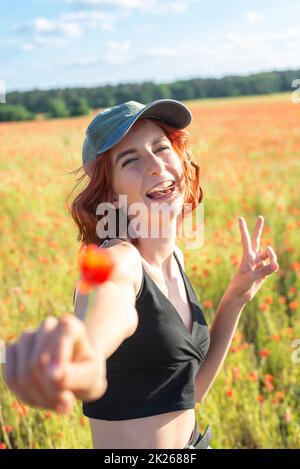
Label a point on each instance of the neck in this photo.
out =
(158, 251)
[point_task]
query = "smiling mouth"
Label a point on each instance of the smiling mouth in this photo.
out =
(163, 192)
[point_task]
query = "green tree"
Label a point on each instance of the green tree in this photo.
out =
(10, 112)
(80, 107)
(57, 108)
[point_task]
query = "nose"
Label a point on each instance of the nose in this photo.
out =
(155, 163)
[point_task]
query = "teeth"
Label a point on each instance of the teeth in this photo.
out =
(161, 187)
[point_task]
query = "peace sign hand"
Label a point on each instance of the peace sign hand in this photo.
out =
(252, 271)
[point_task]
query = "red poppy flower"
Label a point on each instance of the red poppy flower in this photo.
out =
(95, 266)
(264, 352)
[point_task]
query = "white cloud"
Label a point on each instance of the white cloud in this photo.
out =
(93, 18)
(243, 53)
(237, 53)
(44, 31)
(43, 26)
(254, 18)
(72, 25)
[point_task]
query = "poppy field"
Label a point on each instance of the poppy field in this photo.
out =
(248, 149)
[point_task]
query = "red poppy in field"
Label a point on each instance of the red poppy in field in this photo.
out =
(207, 304)
(282, 300)
(279, 395)
(8, 428)
(294, 305)
(95, 266)
(22, 409)
(268, 300)
(244, 345)
(229, 392)
(269, 385)
(264, 307)
(295, 266)
(236, 372)
(276, 337)
(264, 352)
(269, 378)
(253, 376)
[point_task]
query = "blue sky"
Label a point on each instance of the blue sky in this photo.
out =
(58, 43)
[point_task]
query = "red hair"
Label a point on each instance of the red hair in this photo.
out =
(98, 189)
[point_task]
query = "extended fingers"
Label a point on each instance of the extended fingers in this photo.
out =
(257, 233)
(246, 241)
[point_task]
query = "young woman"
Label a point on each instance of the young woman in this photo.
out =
(142, 357)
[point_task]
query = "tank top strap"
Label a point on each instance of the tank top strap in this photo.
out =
(107, 240)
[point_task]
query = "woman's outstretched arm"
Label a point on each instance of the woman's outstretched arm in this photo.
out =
(65, 358)
(113, 317)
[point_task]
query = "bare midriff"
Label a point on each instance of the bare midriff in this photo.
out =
(171, 430)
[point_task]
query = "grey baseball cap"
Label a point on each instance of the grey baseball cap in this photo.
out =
(109, 126)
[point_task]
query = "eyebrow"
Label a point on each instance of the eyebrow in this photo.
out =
(133, 150)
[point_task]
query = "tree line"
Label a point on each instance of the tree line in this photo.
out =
(24, 105)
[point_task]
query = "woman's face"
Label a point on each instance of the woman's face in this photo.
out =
(151, 161)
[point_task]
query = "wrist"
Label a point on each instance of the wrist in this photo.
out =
(237, 302)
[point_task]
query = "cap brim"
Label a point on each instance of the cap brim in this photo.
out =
(173, 112)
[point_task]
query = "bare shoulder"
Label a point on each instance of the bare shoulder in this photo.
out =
(127, 257)
(180, 255)
(128, 261)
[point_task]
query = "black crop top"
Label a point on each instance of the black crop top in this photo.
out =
(153, 371)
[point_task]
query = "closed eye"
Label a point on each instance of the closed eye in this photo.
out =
(163, 148)
(133, 159)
